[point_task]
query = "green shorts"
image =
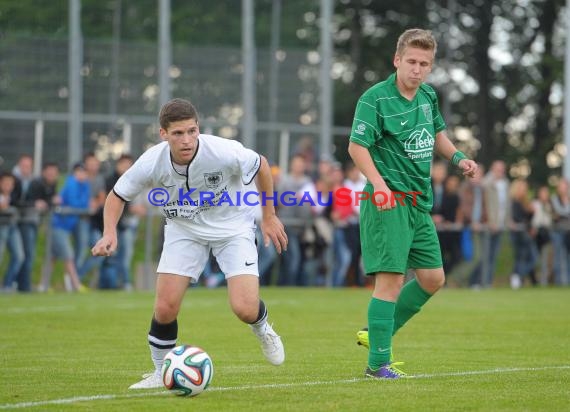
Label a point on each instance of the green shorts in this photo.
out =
(397, 239)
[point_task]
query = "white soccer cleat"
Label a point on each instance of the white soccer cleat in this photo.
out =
(150, 381)
(271, 346)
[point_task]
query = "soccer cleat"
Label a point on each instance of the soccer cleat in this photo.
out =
(388, 371)
(150, 381)
(271, 345)
(362, 338)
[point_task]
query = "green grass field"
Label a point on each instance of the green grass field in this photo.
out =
(469, 351)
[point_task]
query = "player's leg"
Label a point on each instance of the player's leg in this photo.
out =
(243, 293)
(182, 261)
(381, 323)
(386, 238)
(425, 257)
(163, 331)
(237, 258)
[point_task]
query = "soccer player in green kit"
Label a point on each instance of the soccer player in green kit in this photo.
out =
(397, 128)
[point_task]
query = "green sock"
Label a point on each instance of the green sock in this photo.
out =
(380, 326)
(412, 298)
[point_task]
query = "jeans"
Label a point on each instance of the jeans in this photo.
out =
(29, 234)
(291, 261)
(16, 249)
(81, 235)
(342, 257)
(561, 263)
(494, 246)
(266, 257)
(92, 262)
(127, 238)
(526, 253)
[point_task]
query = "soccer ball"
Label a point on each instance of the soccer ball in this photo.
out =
(187, 370)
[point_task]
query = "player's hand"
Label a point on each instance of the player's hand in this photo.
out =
(468, 166)
(105, 246)
(383, 198)
(274, 231)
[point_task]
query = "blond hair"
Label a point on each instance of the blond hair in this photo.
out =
(418, 38)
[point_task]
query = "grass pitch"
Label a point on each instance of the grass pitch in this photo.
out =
(489, 350)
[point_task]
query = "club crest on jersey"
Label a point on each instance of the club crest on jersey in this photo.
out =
(426, 108)
(360, 129)
(212, 180)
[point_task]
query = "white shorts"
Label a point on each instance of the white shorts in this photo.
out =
(183, 254)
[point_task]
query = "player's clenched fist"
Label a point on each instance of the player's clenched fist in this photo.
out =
(105, 246)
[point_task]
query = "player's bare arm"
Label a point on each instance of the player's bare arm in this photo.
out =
(445, 148)
(113, 210)
(271, 227)
(362, 159)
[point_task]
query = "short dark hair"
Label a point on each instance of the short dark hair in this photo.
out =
(50, 164)
(176, 110)
(125, 156)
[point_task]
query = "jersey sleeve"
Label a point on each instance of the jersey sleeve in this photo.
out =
(367, 124)
(136, 179)
(248, 162)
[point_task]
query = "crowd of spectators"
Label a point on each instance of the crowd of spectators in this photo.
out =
(73, 221)
(472, 217)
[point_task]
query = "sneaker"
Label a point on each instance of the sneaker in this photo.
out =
(362, 338)
(516, 282)
(149, 381)
(388, 371)
(67, 283)
(127, 287)
(271, 346)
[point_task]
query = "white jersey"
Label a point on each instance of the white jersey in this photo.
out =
(207, 202)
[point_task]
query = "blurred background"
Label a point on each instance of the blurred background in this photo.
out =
(85, 79)
(90, 75)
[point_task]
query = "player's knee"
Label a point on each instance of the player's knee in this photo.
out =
(434, 283)
(246, 312)
(165, 312)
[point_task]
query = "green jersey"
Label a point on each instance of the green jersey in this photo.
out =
(400, 136)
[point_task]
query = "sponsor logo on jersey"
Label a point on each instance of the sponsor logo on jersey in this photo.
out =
(213, 180)
(419, 145)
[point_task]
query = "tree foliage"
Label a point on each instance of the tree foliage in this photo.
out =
(499, 68)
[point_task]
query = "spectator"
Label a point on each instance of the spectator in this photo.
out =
(355, 182)
(117, 268)
(28, 220)
(438, 176)
(295, 218)
(473, 211)
(560, 234)
(523, 244)
(73, 198)
(541, 228)
(498, 211)
(342, 212)
(87, 230)
(9, 234)
(38, 198)
(448, 228)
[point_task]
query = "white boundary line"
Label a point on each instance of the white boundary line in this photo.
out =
(271, 386)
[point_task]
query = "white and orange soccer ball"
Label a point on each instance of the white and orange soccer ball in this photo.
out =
(187, 370)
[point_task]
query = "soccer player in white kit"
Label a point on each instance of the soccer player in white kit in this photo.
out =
(200, 179)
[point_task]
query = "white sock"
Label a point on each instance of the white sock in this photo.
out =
(260, 327)
(157, 356)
